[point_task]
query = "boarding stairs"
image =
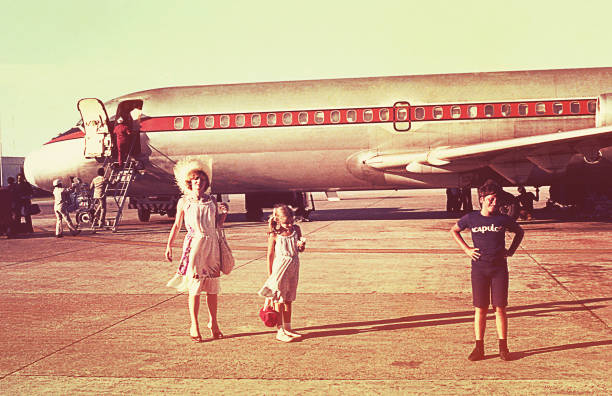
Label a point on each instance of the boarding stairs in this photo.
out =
(119, 180)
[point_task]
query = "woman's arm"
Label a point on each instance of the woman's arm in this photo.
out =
(271, 244)
(176, 227)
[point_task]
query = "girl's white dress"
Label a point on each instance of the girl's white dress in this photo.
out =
(281, 285)
(201, 256)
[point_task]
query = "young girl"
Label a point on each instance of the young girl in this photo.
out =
(284, 242)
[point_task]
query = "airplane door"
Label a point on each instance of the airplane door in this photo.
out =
(95, 123)
(401, 116)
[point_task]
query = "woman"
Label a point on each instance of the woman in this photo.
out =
(199, 265)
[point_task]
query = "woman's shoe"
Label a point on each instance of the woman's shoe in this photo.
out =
(216, 335)
(197, 338)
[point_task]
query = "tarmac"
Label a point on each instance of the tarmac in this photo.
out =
(384, 303)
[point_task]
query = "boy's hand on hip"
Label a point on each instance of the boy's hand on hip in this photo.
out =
(472, 253)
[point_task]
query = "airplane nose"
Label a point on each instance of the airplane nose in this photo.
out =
(37, 168)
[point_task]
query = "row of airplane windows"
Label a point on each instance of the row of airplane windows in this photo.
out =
(383, 114)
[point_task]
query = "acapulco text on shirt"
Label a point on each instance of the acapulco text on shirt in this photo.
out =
(490, 228)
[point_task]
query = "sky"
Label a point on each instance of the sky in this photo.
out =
(53, 53)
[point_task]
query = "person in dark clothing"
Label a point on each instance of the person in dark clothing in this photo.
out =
(24, 202)
(489, 264)
(525, 200)
(12, 225)
(465, 199)
(452, 200)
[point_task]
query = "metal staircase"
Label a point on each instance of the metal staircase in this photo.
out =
(119, 180)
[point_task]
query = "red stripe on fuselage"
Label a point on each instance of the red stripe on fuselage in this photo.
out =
(364, 115)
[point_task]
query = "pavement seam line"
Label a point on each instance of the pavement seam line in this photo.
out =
(567, 290)
(89, 336)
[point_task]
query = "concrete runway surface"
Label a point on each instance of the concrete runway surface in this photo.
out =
(384, 302)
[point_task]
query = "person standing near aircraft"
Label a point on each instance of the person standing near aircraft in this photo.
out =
(284, 244)
(489, 265)
(199, 266)
(61, 197)
(98, 186)
(525, 200)
(23, 202)
(122, 137)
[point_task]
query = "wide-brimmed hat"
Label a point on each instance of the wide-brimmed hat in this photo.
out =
(184, 167)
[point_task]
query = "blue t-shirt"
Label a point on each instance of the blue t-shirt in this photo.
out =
(488, 235)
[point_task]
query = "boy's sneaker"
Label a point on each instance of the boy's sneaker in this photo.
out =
(282, 336)
(477, 354)
(504, 354)
(75, 232)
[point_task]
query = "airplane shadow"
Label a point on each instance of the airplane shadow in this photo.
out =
(431, 320)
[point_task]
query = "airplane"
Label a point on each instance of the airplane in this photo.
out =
(271, 141)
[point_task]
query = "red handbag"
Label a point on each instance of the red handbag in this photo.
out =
(268, 315)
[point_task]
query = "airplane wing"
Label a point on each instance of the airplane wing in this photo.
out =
(542, 150)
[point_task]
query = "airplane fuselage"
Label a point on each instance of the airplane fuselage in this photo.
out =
(318, 135)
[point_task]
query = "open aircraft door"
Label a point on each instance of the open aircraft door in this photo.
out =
(401, 116)
(95, 124)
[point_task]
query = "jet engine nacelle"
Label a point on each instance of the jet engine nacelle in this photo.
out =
(603, 116)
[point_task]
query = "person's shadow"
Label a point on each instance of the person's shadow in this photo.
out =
(428, 320)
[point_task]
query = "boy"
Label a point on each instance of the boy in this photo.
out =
(489, 267)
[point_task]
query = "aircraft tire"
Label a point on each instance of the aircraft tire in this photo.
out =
(144, 214)
(171, 213)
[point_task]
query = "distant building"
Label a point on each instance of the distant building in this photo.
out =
(11, 166)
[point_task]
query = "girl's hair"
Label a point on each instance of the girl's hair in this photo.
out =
(185, 170)
(279, 209)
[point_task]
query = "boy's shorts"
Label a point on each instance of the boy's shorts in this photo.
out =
(490, 282)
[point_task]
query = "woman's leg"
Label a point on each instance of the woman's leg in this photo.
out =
(287, 316)
(194, 307)
(213, 324)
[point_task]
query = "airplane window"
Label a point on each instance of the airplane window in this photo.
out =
(557, 108)
(319, 117)
(335, 116)
(473, 110)
(209, 121)
(402, 114)
(351, 116)
(575, 107)
(303, 118)
(287, 118)
(419, 113)
(194, 122)
(505, 110)
(488, 110)
(523, 109)
(240, 120)
(224, 121)
(540, 108)
(368, 115)
(438, 112)
(256, 119)
(455, 111)
(271, 119)
(591, 106)
(384, 114)
(178, 123)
